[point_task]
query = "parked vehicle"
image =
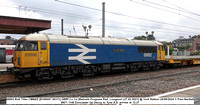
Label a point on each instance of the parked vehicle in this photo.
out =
(6, 53)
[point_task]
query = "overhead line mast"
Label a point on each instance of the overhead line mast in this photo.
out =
(103, 19)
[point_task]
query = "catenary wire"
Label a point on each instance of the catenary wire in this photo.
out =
(164, 9)
(119, 14)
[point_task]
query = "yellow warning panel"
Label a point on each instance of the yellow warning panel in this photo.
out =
(196, 62)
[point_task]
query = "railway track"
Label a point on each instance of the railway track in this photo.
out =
(6, 77)
(11, 84)
(112, 84)
(17, 83)
(126, 80)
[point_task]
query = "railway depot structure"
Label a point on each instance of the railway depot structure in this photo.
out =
(16, 25)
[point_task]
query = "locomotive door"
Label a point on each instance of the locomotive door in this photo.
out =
(159, 57)
(43, 54)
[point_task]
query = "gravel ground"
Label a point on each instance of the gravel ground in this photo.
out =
(6, 77)
(143, 88)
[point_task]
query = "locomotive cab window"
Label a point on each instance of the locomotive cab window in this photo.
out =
(31, 46)
(43, 46)
(19, 46)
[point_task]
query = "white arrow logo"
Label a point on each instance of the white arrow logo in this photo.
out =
(81, 56)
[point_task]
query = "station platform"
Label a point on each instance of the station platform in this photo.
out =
(3, 70)
(193, 91)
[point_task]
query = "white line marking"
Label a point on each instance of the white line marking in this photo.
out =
(175, 91)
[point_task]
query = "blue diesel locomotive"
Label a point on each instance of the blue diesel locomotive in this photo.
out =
(44, 56)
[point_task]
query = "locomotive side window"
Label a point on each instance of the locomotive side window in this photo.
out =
(43, 46)
(158, 47)
(31, 46)
(163, 48)
(147, 49)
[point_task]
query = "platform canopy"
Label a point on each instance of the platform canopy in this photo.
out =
(16, 25)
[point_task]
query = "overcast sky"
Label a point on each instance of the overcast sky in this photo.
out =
(169, 19)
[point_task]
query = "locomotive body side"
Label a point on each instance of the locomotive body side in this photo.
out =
(51, 50)
(81, 51)
(80, 54)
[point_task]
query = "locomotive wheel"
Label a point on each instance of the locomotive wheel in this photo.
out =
(67, 74)
(88, 72)
(134, 68)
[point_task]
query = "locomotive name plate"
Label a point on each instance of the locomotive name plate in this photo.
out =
(118, 50)
(147, 54)
(30, 54)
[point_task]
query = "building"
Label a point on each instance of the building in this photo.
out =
(193, 42)
(6, 41)
(196, 44)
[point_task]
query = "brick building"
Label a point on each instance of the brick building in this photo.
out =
(193, 42)
(196, 44)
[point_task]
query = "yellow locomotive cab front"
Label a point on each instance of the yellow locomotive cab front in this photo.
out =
(29, 54)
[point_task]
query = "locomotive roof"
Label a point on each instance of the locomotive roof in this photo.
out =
(88, 40)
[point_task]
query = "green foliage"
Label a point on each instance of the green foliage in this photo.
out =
(170, 50)
(8, 37)
(182, 48)
(196, 36)
(165, 44)
(140, 37)
(195, 53)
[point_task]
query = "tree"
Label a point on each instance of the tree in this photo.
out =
(195, 53)
(165, 44)
(8, 37)
(182, 48)
(196, 36)
(140, 37)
